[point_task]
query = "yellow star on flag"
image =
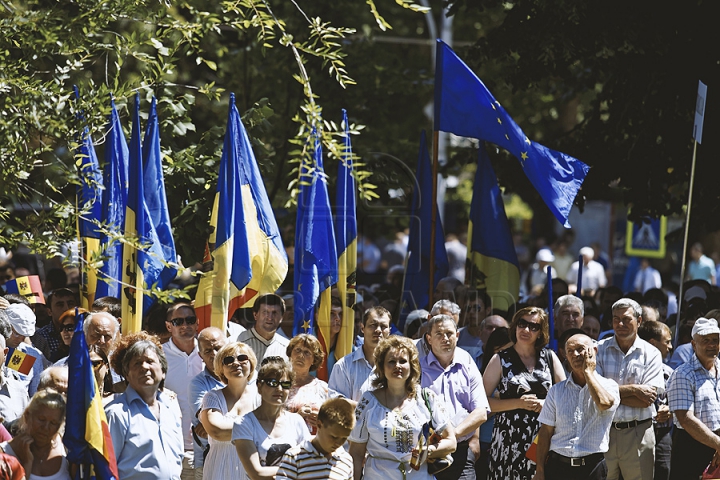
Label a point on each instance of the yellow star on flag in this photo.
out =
(306, 326)
(524, 155)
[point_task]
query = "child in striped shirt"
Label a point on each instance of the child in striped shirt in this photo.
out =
(323, 456)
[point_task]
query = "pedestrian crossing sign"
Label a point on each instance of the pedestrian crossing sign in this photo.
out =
(646, 238)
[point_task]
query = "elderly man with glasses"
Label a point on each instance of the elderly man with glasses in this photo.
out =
(184, 363)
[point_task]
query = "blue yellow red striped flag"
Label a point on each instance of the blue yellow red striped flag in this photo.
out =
(246, 248)
(28, 286)
(19, 361)
(346, 241)
(492, 263)
(87, 437)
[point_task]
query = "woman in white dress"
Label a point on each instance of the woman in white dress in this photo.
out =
(390, 418)
(234, 364)
(262, 436)
(307, 393)
(39, 446)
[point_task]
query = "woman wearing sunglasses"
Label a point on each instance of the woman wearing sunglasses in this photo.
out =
(522, 375)
(234, 364)
(308, 392)
(263, 435)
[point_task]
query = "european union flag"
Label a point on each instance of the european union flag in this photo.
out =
(316, 259)
(492, 263)
(465, 107)
(417, 279)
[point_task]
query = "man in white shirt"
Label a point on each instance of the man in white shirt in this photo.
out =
(593, 273)
(636, 366)
(184, 363)
(576, 418)
(263, 338)
(352, 374)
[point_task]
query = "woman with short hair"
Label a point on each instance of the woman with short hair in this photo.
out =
(307, 393)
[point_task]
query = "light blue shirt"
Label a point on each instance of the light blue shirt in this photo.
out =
(199, 386)
(146, 448)
(352, 376)
(460, 384)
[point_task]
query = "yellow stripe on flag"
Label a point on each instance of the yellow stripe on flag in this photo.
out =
(91, 253)
(323, 326)
(347, 267)
(132, 293)
(500, 278)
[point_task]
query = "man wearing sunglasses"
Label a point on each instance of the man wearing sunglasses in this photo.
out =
(184, 363)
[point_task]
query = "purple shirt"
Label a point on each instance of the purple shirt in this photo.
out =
(460, 384)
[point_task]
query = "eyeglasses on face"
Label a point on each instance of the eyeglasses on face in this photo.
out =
(178, 322)
(533, 327)
(68, 327)
(229, 360)
(273, 383)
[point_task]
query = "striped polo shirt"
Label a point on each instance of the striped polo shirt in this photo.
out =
(305, 462)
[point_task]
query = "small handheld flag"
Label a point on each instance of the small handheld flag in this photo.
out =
(19, 361)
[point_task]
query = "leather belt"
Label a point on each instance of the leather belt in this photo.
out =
(592, 459)
(630, 424)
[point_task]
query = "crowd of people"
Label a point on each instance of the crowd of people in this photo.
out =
(578, 387)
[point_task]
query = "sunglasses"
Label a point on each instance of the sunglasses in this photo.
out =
(533, 327)
(179, 322)
(229, 360)
(272, 383)
(68, 327)
(98, 363)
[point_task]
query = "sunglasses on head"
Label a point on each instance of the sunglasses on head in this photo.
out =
(229, 360)
(533, 327)
(178, 322)
(68, 327)
(272, 383)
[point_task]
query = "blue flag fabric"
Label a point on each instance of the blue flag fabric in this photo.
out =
(114, 202)
(87, 437)
(156, 200)
(144, 269)
(316, 259)
(465, 107)
(417, 277)
(90, 189)
(492, 262)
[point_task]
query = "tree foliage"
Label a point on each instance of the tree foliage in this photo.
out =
(189, 54)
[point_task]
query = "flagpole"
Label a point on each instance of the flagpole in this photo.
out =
(578, 290)
(551, 309)
(685, 243)
(433, 216)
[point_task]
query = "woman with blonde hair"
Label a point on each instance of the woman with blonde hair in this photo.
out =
(390, 418)
(39, 446)
(522, 375)
(307, 393)
(234, 364)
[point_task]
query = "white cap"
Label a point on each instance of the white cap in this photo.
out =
(705, 326)
(22, 319)
(544, 255)
(587, 252)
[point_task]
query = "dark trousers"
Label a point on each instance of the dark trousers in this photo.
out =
(555, 469)
(482, 463)
(663, 449)
(463, 466)
(689, 457)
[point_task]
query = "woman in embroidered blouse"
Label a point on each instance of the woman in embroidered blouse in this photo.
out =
(522, 374)
(308, 392)
(390, 418)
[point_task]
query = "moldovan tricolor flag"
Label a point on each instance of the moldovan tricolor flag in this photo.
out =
(87, 436)
(29, 287)
(316, 259)
(346, 241)
(492, 263)
(246, 248)
(19, 361)
(89, 194)
(141, 263)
